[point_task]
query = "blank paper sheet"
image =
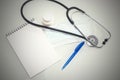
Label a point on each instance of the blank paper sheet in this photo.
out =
(33, 49)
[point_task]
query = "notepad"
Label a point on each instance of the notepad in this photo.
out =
(32, 48)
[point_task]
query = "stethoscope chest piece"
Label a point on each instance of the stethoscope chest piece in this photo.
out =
(93, 39)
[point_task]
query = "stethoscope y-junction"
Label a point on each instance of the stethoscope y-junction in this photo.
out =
(93, 40)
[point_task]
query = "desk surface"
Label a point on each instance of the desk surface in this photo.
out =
(89, 64)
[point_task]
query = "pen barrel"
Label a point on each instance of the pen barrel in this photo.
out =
(68, 61)
(73, 54)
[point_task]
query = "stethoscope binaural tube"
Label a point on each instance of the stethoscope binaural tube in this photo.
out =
(70, 20)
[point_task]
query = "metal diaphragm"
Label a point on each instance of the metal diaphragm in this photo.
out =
(93, 39)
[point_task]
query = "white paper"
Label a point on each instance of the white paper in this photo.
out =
(58, 38)
(33, 49)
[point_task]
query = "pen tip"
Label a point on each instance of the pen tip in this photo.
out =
(63, 67)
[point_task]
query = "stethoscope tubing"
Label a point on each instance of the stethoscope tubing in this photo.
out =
(70, 20)
(46, 27)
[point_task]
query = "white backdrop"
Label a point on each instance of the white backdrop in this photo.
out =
(89, 64)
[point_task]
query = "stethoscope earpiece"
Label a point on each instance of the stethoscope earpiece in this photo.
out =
(104, 42)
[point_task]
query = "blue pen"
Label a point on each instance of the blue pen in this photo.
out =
(73, 54)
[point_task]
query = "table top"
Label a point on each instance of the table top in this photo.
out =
(88, 64)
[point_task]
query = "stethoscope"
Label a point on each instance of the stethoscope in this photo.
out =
(92, 39)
